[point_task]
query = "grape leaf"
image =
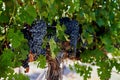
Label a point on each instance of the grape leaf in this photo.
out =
(1, 38)
(0, 1)
(15, 37)
(18, 77)
(31, 11)
(89, 2)
(60, 33)
(100, 22)
(4, 17)
(42, 61)
(28, 14)
(7, 56)
(53, 47)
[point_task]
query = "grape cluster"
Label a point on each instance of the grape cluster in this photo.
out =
(34, 34)
(38, 32)
(72, 29)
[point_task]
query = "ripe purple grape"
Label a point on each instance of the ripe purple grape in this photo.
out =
(38, 32)
(72, 29)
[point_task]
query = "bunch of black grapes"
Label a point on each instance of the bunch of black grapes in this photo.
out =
(72, 29)
(35, 35)
(39, 29)
(38, 32)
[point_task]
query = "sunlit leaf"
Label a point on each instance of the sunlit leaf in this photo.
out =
(61, 33)
(53, 47)
(42, 61)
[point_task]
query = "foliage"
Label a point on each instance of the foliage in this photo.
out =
(83, 70)
(18, 77)
(100, 30)
(42, 61)
(53, 48)
(6, 57)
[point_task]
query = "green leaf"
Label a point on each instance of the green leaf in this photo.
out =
(92, 15)
(28, 14)
(26, 18)
(42, 61)
(118, 25)
(83, 70)
(104, 70)
(0, 1)
(92, 55)
(61, 33)
(111, 16)
(87, 34)
(71, 10)
(110, 48)
(0, 12)
(4, 17)
(89, 2)
(117, 65)
(53, 47)
(7, 56)
(45, 14)
(15, 37)
(90, 39)
(51, 1)
(18, 77)
(100, 22)
(31, 11)
(77, 5)
(106, 40)
(1, 38)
